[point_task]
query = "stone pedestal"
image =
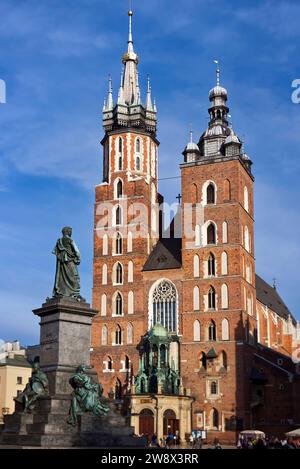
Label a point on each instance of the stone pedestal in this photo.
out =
(65, 341)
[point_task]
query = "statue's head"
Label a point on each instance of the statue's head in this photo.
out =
(82, 369)
(67, 231)
(36, 366)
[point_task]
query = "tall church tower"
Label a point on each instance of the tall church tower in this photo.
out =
(219, 298)
(126, 222)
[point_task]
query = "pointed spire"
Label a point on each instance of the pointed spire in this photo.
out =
(130, 61)
(104, 105)
(110, 102)
(191, 133)
(121, 91)
(149, 106)
(130, 41)
(138, 90)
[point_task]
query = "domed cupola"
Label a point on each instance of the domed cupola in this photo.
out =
(218, 92)
(191, 152)
(232, 144)
(212, 141)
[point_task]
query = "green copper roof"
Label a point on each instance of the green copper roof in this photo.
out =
(159, 331)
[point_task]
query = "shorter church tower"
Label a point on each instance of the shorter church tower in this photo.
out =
(219, 297)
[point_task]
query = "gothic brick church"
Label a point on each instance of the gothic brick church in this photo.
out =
(188, 336)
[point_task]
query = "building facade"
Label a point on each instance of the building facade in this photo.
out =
(237, 341)
(15, 372)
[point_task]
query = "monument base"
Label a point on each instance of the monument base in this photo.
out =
(47, 427)
(64, 345)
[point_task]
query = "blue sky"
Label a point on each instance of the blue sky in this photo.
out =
(55, 59)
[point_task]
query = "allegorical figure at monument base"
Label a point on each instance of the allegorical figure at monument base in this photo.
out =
(36, 387)
(86, 396)
(67, 280)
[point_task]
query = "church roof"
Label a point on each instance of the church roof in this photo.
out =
(270, 297)
(165, 255)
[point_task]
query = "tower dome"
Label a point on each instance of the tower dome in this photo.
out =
(218, 92)
(191, 151)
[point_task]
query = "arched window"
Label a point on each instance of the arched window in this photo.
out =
(118, 215)
(127, 363)
(203, 361)
(211, 234)
(248, 273)
(117, 304)
(105, 245)
(109, 363)
(225, 329)
(211, 265)
(227, 190)
(212, 298)
(212, 333)
(138, 146)
(130, 271)
(224, 296)
(213, 388)
(118, 335)
(130, 334)
(120, 145)
(104, 335)
(103, 305)
(224, 360)
(197, 331)
(130, 302)
(118, 244)
(104, 274)
(118, 274)
(214, 419)
(249, 305)
(164, 304)
(119, 189)
(197, 235)
(225, 232)
(246, 199)
(210, 194)
(137, 163)
(194, 193)
(196, 266)
(120, 155)
(129, 242)
(118, 390)
(196, 299)
(246, 239)
(224, 263)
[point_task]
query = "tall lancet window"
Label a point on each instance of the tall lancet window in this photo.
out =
(138, 146)
(164, 306)
(137, 163)
(120, 156)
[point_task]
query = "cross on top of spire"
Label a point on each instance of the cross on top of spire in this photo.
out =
(217, 72)
(130, 15)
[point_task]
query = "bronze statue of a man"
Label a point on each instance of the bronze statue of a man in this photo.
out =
(36, 387)
(67, 281)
